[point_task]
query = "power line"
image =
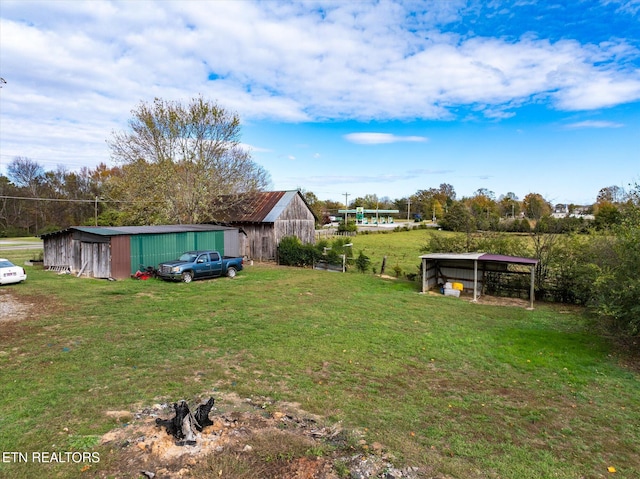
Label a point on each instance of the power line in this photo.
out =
(45, 199)
(100, 200)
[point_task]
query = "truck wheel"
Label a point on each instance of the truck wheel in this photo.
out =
(187, 277)
(231, 272)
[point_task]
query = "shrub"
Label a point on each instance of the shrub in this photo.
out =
(291, 252)
(349, 227)
(362, 262)
(618, 288)
(397, 269)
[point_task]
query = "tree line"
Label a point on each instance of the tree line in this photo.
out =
(179, 163)
(483, 211)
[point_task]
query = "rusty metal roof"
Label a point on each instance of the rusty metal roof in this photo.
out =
(259, 207)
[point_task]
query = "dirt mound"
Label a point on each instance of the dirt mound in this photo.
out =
(247, 439)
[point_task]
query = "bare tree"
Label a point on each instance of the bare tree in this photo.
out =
(182, 163)
(28, 176)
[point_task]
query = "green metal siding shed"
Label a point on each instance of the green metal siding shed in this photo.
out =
(118, 252)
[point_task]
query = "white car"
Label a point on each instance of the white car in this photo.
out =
(10, 273)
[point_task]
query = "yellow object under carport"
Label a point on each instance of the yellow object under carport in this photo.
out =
(458, 286)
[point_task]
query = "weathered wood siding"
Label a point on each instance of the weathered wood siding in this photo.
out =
(90, 258)
(296, 220)
(95, 260)
(260, 242)
(57, 251)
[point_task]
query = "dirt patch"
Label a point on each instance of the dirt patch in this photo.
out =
(247, 439)
(499, 301)
(12, 308)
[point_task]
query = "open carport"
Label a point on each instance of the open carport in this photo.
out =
(471, 270)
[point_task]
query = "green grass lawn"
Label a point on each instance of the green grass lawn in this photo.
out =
(402, 249)
(458, 389)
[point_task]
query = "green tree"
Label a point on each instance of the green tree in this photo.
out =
(618, 288)
(182, 163)
(459, 218)
(509, 205)
(484, 209)
(535, 206)
(607, 215)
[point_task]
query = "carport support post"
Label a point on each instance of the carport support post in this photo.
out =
(532, 289)
(475, 280)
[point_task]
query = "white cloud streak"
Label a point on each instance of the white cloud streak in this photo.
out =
(381, 138)
(594, 124)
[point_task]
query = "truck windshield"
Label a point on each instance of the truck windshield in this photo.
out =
(188, 257)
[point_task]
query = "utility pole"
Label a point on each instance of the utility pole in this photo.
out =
(346, 208)
(408, 208)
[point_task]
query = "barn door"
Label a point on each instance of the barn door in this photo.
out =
(94, 260)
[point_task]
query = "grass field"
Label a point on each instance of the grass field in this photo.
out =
(458, 390)
(402, 249)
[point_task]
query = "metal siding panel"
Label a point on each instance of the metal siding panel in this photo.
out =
(232, 243)
(213, 240)
(134, 248)
(120, 257)
(153, 249)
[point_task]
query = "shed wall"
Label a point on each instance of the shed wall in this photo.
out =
(232, 243)
(120, 257)
(260, 242)
(57, 251)
(437, 273)
(94, 259)
(153, 249)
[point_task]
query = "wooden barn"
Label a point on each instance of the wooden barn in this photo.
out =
(119, 251)
(267, 217)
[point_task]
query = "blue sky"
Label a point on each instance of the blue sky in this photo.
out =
(335, 97)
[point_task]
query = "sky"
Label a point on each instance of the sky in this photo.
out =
(343, 98)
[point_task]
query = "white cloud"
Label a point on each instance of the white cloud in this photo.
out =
(594, 124)
(74, 63)
(380, 138)
(294, 62)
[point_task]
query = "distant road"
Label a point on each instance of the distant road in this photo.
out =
(13, 244)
